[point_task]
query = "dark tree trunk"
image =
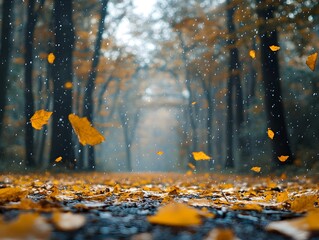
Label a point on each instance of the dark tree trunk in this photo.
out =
(233, 81)
(271, 80)
(5, 51)
(28, 88)
(88, 95)
(61, 142)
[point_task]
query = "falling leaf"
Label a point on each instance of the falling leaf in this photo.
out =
(51, 58)
(176, 214)
(274, 48)
(68, 221)
(68, 85)
(26, 226)
(270, 133)
(299, 228)
(58, 159)
(192, 166)
(200, 156)
(160, 153)
(283, 158)
(193, 103)
(252, 54)
(85, 132)
(40, 118)
(221, 234)
(311, 61)
(256, 169)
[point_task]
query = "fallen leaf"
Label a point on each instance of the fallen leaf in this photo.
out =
(250, 207)
(256, 169)
(176, 214)
(11, 194)
(68, 221)
(304, 203)
(85, 132)
(274, 48)
(311, 61)
(270, 133)
(299, 228)
(40, 118)
(26, 226)
(282, 196)
(283, 158)
(252, 54)
(58, 159)
(51, 58)
(192, 166)
(68, 85)
(160, 153)
(221, 234)
(200, 156)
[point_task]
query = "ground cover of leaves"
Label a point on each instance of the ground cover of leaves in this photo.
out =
(157, 206)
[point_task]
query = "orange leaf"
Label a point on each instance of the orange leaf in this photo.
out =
(160, 153)
(176, 214)
(311, 61)
(270, 133)
(58, 159)
(256, 169)
(221, 234)
(193, 103)
(85, 132)
(283, 158)
(40, 118)
(274, 48)
(51, 58)
(200, 156)
(191, 166)
(68, 85)
(252, 54)
(282, 196)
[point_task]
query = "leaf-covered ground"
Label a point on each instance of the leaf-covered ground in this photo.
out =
(157, 206)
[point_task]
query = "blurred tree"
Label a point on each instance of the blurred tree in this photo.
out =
(271, 80)
(5, 51)
(32, 17)
(61, 141)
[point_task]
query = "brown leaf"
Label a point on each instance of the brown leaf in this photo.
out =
(311, 61)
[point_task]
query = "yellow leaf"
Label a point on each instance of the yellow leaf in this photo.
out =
(58, 159)
(274, 48)
(252, 54)
(51, 58)
(11, 194)
(270, 133)
(26, 226)
(191, 166)
(160, 153)
(85, 132)
(311, 61)
(40, 118)
(304, 203)
(68, 221)
(200, 156)
(193, 103)
(176, 214)
(256, 169)
(250, 207)
(283, 158)
(68, 85)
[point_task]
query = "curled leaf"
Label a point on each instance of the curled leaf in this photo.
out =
(85, 132)
(40, 118)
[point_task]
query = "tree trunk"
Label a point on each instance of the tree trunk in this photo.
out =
(88, 96)
(233, 81)
(61, 142)
(5, 51)
(271, 80)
